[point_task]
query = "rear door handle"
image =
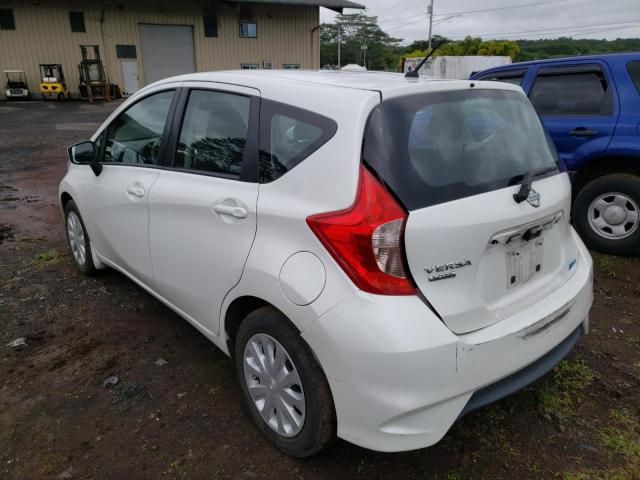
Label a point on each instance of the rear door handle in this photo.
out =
(136, 190)
(583, 132)
(233, 211)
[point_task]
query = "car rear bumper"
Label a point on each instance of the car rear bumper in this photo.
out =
(400, 378)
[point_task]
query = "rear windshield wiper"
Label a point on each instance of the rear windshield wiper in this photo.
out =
(527, 180)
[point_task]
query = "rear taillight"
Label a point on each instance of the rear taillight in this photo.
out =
(366, 239)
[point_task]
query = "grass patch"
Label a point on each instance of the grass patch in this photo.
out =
(50, 257)
(635, 342)
(605, 264)
(560, 394)
(620, 438)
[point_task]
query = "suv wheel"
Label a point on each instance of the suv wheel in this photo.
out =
(78, 239)
(285, 390)
(606, 213)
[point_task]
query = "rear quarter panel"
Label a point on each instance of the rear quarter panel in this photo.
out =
(325, 181)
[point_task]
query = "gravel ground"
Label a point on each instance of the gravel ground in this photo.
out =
(175, 410)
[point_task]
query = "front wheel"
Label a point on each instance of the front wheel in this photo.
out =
(285, 390)
(606, 213)
(78, 239)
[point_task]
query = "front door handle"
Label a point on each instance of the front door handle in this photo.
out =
(231, 210)
(583, 132)
(136, 190)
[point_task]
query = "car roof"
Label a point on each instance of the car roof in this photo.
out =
(604, 56)
(388, 84)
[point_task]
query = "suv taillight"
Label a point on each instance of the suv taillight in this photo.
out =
(366, 239)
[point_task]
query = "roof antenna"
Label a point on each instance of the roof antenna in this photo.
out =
(415, 72)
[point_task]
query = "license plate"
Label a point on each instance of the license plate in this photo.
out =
(524, 263)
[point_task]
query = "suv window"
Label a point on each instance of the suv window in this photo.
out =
(214, 133)
(134, 136)
(288, 135)
(514, 77)
(573, 91)
(437, 147)
(634, 71)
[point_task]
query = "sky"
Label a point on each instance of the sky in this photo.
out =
(512, 19)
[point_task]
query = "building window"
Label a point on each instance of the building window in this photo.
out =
(6, 19)
(267, 65)
(291, 66)
(248, 29)
(77, 22)
(126, 51)
(249, 66)
(210, 26)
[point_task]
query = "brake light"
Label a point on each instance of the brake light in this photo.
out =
(366, 239)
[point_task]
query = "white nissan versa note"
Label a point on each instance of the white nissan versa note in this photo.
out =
(379, 254)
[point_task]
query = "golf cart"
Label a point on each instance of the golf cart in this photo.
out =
(53, 84)
(16, 86)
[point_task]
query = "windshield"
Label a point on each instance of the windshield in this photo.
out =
(437, 147)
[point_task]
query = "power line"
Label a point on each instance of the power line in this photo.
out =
(522, 5)
(549, 30)
(424, 15)
(580, 32)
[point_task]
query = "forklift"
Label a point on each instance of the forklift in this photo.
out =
(93, 81)
(53, 84)
(16, 86)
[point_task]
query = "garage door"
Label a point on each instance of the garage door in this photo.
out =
(167, 50)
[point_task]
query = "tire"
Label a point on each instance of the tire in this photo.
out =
(76, 233)
(606, 214)
(317, 430)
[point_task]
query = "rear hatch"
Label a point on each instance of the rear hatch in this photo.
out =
(455, 159)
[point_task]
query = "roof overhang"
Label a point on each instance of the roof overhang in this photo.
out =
(335, 5)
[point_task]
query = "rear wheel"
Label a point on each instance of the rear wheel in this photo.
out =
(606, 213)
(285, 390)
(78, 239)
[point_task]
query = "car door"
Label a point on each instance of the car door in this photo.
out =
(203, 206)
(116, 201)
(579, 108)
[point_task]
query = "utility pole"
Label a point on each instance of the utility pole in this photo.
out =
(338, 25)
(430, 12)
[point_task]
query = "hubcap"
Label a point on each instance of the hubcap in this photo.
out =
(614, 216)
(76, 238)
(274, 385)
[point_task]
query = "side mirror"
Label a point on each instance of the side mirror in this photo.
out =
(85, 153)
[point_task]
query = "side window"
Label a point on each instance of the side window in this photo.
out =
(514, 77)
(134, 136)
(575, 91)
(288, 135)
(214, 133)
(634, 71)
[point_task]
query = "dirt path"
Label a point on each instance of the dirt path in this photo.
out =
(176, 412)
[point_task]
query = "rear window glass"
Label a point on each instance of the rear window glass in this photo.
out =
(634, 71)
(288, 135)
(438, 147)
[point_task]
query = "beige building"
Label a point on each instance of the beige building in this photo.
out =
(141, 41)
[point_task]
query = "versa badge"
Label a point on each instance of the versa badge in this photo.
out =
(441, 272)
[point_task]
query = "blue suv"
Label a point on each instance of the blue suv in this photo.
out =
(590, 106)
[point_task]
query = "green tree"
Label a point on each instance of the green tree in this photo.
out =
(476, 46)
(566, 47)
(357, 30)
